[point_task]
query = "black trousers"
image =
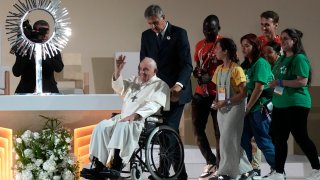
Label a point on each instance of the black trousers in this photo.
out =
(291, 120)
(172, 119)
(200, 113)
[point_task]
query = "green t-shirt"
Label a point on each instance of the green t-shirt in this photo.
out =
(288, 68)
(260, 71)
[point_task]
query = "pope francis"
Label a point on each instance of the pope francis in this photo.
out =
(113, 141)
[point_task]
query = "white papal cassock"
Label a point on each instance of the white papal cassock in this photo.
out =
(144, 99)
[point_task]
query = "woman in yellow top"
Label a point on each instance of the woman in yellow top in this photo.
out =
(230, 103)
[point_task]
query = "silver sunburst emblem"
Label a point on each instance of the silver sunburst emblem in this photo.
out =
(23, 45)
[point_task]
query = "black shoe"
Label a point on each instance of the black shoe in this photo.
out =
(109, 173)
(88, 173)
(220, 177)
(248, 175)
(86, 170)
(118, 167)
(184, 177)
(92, 173)
(151, 177)
(116, 162)
(258, 172)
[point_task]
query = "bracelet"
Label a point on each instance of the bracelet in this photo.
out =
(280, 83)
(228, 101)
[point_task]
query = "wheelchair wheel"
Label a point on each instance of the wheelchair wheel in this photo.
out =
(164, 153)
(136, 172)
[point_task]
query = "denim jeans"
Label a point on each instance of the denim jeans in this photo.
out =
(256, 124)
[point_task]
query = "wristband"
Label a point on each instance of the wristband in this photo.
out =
(228, 101)
(280, 83)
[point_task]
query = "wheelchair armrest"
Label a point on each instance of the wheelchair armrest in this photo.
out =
(150, 122)
(154, 118)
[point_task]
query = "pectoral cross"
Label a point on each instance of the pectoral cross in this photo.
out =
(134, 98)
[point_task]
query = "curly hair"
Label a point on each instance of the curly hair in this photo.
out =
(229, 45)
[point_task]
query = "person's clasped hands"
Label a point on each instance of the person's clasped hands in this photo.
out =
(202, 75)
(218, 104)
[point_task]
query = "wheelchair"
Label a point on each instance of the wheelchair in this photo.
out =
(160, 152)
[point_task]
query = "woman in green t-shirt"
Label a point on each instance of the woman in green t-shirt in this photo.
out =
(292, 102)
(257, 119)
(272, 52)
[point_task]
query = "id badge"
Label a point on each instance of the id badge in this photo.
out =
(221, 94)
(278, 90)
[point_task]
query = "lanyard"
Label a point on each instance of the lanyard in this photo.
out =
(220, 74)
(209, 53)
(280, 63)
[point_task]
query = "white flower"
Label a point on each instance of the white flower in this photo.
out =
(53, 157)
(26, 136)
(36, 135)
(56, 177)
(43, 175)
(38, 162)
(68, 140)
(28, 153)
(46, 162)
(70, 161)
(27, 175)
(56, 141)
(31, 167)
(67, 175)
(49, 165)
(19, 140)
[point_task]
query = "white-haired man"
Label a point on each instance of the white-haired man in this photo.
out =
(113, 141)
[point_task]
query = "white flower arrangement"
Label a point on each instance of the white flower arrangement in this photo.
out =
(45, 155)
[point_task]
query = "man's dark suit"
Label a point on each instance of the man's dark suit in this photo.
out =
(173, 59)
(26, 68)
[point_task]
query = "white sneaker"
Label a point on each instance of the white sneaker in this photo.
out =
(270, 173)
(276, 176)
(314, 175)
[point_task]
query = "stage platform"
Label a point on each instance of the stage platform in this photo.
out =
(297, 166)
